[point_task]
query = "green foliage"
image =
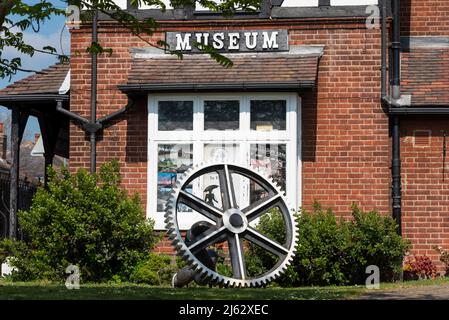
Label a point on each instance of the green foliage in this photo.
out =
(259, 261)
(374, 241)
(334, 252)
(85, 220)
(155, 270)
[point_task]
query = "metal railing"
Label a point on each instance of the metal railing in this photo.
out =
(26, 193)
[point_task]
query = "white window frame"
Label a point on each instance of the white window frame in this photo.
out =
(244, 137)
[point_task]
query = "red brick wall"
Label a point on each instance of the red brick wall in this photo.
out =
(345, 132)
(345, 145)
(425, 192)
(425, 17)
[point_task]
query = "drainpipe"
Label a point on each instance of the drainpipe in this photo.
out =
(396, 139)
(383, 84)
(396, 51)
(93, 96)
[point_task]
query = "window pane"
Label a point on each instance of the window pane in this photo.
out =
(221, 115)
(271, 160)
(173, 161)
(268, 115)
(218, 153)
(175, 115)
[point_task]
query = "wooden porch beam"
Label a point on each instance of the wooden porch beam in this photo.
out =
(18, 123)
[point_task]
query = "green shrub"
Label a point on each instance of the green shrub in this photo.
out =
(374, 241)
(331, 251)
(155, 270)
(85, 220)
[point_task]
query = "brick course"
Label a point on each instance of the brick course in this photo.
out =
(424, 18)
(425, 189)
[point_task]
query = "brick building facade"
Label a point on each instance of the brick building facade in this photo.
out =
(343, 139)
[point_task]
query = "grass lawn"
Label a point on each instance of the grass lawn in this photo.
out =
(41, 290)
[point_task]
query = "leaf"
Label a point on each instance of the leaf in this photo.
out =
(96, 48)
(49, 49)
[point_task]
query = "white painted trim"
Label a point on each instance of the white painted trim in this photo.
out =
(65, 86)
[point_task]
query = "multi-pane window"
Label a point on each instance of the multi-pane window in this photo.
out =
(257, 130)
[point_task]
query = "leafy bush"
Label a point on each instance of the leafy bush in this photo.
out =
(331, 251)
(155, 270)
(85, 220)
(374, 241)
(422, 267)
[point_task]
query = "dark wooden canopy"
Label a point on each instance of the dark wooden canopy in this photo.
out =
(38, 95)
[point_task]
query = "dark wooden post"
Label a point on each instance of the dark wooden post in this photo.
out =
(50, 125)
(14, 174)
(18, 122)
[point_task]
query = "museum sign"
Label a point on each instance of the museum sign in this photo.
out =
(229, 41)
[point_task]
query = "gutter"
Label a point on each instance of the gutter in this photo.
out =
(16, 98)
(88, 126)
(158, 87)
(407, 111)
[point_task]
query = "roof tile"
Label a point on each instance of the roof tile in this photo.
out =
(425, 76)
(47, 81)
(201, 69)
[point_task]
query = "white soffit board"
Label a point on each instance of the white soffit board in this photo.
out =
(38, 149)
(121, 3)
(314, 3)
(353, 2)
(65, 86)
(300, 3)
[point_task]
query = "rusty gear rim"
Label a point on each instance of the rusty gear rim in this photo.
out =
(231, 225)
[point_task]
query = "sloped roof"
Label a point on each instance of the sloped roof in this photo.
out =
(425, 76)
(47, 81)
(203, 71)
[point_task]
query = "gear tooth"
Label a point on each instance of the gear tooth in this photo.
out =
(171, 229)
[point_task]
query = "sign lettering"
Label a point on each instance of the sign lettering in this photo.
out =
(229, 41)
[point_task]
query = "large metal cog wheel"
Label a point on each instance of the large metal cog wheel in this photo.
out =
(232, 224)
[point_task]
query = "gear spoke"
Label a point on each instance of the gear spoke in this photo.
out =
(264, 242)
(200, 206)
(237, 256)
(227, 188)
(208, 240)
(257, 209)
